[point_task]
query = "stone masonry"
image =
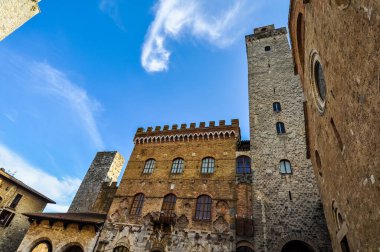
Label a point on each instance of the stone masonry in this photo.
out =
(343, 128)
(286, 207)
(14, 13)
(105, 168)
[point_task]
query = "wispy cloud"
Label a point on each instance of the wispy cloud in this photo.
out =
(214, 21)
(61, 190)
(54, 82)
(111, 7)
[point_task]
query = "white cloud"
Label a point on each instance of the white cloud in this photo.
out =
(215, 21)
(111, 7)
(54, 82)
(61, 190)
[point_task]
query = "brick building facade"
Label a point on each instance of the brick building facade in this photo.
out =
(336, 50)
(15, 199)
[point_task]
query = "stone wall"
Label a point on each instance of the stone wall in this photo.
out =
(12, 235)
(59, 236)
(286, 207)
(344, 135)
(142, 233)
(14, 13)
(106, 167)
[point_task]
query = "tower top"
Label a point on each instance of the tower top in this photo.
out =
(265, 32)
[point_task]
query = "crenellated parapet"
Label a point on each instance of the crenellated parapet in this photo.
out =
(265, 32)
(185, 133)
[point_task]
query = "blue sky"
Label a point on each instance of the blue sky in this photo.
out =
(82, 76)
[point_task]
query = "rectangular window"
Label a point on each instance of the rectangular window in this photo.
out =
(6, 218)
(15, 201)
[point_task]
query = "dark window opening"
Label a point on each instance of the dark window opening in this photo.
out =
(177, 166)
(344, 245)
(15, 201)
(305, 114)
(320, 80)
(203, 208)
(149, 166)
(276, 107)
(168, 205)
(285, 167)
(74, 248)
(318, 162)
(300, 38)
(244, 249)
(120, 249)
(6, 218)
(290, 196)
(280, 127)
(208, 165)
(297, 246)
(137, 204)
(243, 165)
(267, 48)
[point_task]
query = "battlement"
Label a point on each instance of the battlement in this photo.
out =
(266, 32)
(185, 133)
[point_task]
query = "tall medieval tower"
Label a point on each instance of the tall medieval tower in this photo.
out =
(100, 178)
(287, 210)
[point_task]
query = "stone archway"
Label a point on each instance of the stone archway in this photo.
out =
(297, 246)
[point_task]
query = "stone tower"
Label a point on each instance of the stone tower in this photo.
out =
(105, 169)
(287, 210)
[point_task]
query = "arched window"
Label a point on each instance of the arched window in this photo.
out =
(149, 166)
(74, 248)
(285, 167)
(42, 246)
(168, 205)
(208, 165)
(280, 127)
(203, 208)
(120, 249)
(177, 166)
(137, 204)
(243, 165)
(276, 107)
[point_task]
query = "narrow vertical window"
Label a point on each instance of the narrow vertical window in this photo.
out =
(280, 127)
(137, 204)
(149, 166)
(276, 107)
(208, 165)
(15, 201)
(243, 165)
(285, 167)
(203, 208)
(177, 166)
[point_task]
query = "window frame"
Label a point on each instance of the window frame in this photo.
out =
(123, 249)
(7, 218)
(137, 204)
(208, 165)
(169, 203)
(16, 200)
(243, 168)
(149, 166)
(203, 208)
(280, 128)
(178, 165)
(286, 167)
